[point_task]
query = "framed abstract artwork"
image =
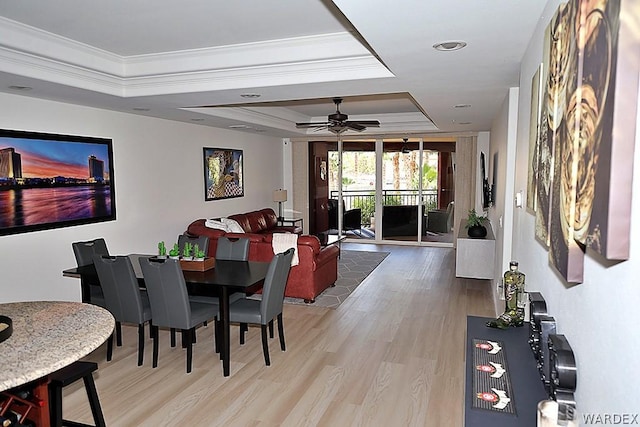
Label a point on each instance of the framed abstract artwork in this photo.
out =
(223, 177)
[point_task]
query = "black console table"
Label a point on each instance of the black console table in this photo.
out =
(527, 386)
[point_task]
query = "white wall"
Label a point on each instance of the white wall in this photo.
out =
(159, 186)
(599, 317)
(501, 157)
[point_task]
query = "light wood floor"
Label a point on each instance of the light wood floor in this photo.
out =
(391, 355)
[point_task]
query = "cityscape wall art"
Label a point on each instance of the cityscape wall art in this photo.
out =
(51, 181)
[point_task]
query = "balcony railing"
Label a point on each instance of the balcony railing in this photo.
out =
(365, 200)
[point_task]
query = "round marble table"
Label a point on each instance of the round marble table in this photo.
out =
(47, 336)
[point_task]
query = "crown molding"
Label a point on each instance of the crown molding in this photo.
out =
(31, 52)
(285, 119)
(261, 76)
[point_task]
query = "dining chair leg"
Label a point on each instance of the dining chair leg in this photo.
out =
(183, 338)
(110, 348)
(265, 345)
(140, 343)
(271, 328)
(217, 338)
(173, 337)
(156, 338)
(188, 335)
(243, 328)
(118, 334)
(281, 332)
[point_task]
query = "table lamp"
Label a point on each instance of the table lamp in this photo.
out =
(280, 196)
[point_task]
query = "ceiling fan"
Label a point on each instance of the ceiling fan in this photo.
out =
(405, 147)
(338, 123)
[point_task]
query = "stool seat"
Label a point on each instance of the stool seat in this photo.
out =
(69, 375)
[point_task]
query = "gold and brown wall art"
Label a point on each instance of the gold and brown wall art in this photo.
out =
(581, 150)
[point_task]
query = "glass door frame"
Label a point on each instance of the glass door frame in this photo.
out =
(379, 192)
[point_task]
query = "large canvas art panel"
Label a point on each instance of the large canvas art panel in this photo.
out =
(610, 48)
(552, 105)
(565, 253)
(223, 177)
(588, 130)
(534, 132)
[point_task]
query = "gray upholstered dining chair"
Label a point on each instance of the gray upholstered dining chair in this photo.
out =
(201, 241)
(170, 303)
(123, 297)
(234, 250)
(237, 250)
(248, 311)
(84, 252)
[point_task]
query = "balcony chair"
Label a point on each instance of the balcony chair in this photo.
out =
(440, 220)
(351, 219)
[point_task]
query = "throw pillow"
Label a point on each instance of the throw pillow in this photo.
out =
(219, 225)
(232, 225)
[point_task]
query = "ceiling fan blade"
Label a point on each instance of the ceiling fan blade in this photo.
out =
(355, 126)
(311, 125)
(367, 123)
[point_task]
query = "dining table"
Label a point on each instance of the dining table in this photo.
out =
(225, 278)
(48, 336)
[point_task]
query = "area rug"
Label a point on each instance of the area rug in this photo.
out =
(353, 268)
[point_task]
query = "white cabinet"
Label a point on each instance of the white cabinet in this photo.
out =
(475, 257)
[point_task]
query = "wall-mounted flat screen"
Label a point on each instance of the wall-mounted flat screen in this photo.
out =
(52, 181)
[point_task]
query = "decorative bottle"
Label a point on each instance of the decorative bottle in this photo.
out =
(514, 297)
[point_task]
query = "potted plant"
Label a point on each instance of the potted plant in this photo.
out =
(187, 253)
(198, 254)
(475, 225)
(162, 250)
(174, 253)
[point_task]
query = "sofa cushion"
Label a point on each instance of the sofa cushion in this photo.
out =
(218, 225)
(232, 225)
(251, 222)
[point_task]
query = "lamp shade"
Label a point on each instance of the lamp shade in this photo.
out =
(280, 195)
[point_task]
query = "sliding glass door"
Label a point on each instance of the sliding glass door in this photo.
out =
(388, 189)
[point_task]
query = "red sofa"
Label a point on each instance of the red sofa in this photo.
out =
(317, 269)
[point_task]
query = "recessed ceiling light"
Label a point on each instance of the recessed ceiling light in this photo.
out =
(464, 123)
(239, 127)
(22, 88)
(462, 106)
(449, 46)
(140, 109)
(250, 95)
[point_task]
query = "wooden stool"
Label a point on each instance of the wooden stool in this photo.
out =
(63, 378)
